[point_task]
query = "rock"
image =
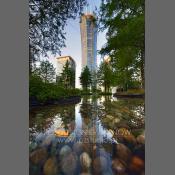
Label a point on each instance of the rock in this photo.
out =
(141, 139)
(136, 165)
(110, 117)
(122, 132)
(130, 140)
(78, 148)
(71, 126)
(69, 164)
(84, 173)
(39, 115)
(116, 120)
(100, 164)
(33, 146)
(87, 148)
(47, 141)
(125, 136)
(65, 150)
(40, 137)
(34, 169)
(50, 167)
(85, 161)
(107, 173)
(102, 152)
(38, 156)
(123, 152)
(118, 166)
(111, 132)
(139, 151)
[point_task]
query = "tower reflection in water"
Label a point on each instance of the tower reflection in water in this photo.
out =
(81, 138)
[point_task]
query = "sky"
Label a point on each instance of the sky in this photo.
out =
(73, 42)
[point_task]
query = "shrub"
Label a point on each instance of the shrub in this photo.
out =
(48, 91)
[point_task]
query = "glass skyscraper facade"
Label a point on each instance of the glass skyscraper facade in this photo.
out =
(88, 28)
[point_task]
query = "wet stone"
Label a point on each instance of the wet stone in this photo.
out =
(33, 146)
(125, 136)
(38, 156)
(136, 165)
(140, 151)
(85, 161)
(65, 151)
(116, 120)
(34, 169)
(47, 141)
(39, 115)
(123, 152)
(84, 173)
(50, 167)
(69, 164)
(100, 164)
(141, 139)
(40, 137)
(110, 117)
(78, 148)
(118, 166)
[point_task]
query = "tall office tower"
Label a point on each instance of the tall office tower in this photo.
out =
(88, 28)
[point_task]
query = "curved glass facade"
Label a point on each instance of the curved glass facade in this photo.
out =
(89, 41)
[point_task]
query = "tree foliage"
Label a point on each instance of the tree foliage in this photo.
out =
(47, 20)
(105, 76)
(43, 92)
(45, 71)
(125, 21)
(86, 78)
(67, 78)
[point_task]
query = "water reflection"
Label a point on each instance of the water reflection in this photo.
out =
(104, 136)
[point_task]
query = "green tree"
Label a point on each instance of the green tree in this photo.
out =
(67, 78)
(47, 20)
(86, 78)
(105, 76)
(125, 21)
(45, 71)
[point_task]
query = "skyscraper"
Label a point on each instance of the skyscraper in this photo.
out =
(88, 28)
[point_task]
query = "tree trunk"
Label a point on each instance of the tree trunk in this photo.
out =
(105, 88)
(30, 61)
(143, 68)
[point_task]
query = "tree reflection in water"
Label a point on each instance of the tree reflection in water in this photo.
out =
(97, 122)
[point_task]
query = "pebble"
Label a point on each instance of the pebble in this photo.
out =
(85, 161)
(110, 117)
(87, 148)
(65, 150)
(38, 156)
(47, 141)
(50, 167)
(100, 164)
(78, 148)
(116, 120)
(33, 146)
(39, 138)
(140, 139)
(136, 165)
(123, 152)
(34, 169)
(71, 126)
(39, 115)
(118, 166)
(69, 164)
(125, 136)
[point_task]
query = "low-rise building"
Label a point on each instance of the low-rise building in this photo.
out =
(61, 62)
